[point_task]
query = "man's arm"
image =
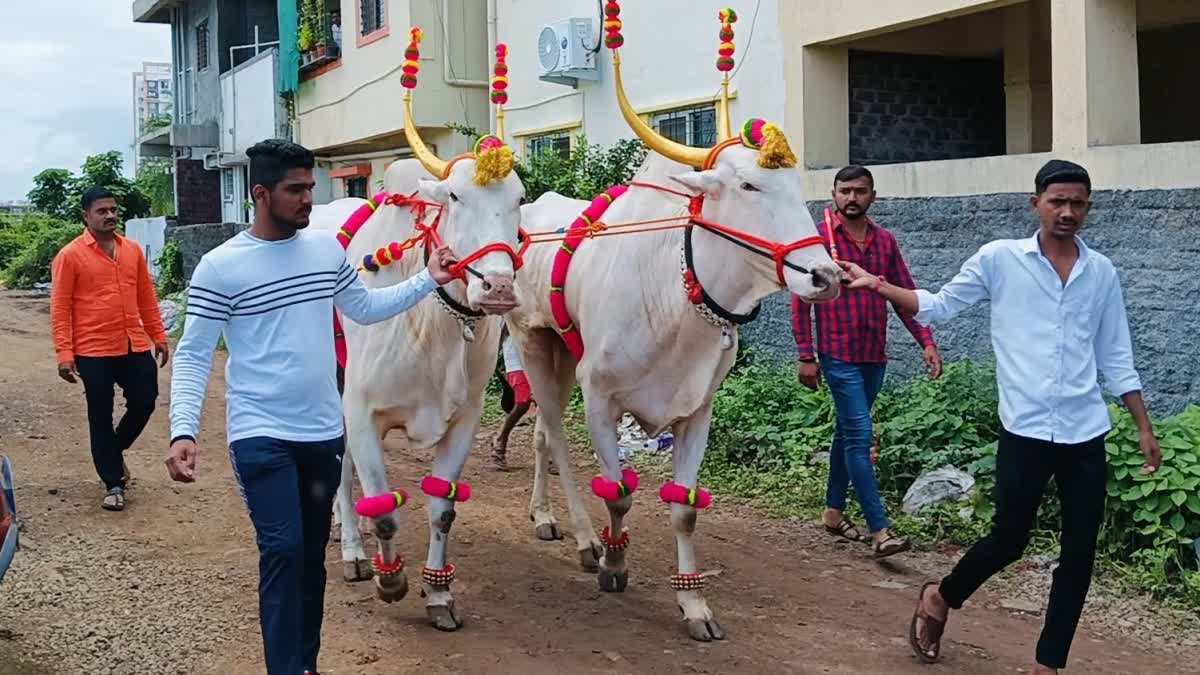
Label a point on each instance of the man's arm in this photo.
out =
(802, 328)
(899, 275)
(148, 303)
(62, 298)
(1114, 355)
(967, 287)
(206, 316)
(370, 305)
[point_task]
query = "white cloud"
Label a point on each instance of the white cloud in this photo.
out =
(66, 84)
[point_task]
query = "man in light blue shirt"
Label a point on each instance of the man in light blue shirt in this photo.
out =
(1057, 319)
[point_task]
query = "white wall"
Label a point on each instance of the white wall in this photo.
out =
(254, 113)
(150, 234)
(669, 57)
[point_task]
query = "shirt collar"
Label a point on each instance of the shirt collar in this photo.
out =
(1029, 246)
(838, 222)
(90, 239)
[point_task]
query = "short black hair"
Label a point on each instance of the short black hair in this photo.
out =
(274, 157)
(93, 194)
(1060, 171)
(853, 172)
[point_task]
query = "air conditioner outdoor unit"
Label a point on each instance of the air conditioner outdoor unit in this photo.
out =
(565, 51)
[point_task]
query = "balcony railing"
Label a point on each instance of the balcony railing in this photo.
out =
(316, 41)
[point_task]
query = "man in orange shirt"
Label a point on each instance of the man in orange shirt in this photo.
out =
(104, 315)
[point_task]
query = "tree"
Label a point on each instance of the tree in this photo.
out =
(58, 193)
(156, 181)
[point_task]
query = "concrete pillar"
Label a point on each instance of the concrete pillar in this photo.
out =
(1094, 73)
(825, 97)
(1018, 86)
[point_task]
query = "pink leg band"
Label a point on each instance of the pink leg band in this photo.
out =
(378, 505)
(612, 490)
(677, 494)
(440, 487)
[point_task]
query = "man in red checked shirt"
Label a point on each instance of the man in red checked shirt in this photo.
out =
(851, 344)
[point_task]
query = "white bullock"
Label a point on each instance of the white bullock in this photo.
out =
(424, 372)
(655, 342)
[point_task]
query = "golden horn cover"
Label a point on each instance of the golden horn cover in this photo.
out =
(435, 166)
(684, 154)
(724, 130)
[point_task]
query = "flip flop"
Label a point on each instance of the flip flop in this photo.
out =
(934, 628)
(114, 500)
(842, 530)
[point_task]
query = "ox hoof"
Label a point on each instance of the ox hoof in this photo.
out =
(705, 631)
(396, 588)
(356, 570)
(589, 558)
(444, 617)
(548, 531)
(613, 582)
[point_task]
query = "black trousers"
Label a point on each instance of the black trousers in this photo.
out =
(137, 374)
(1023, 467)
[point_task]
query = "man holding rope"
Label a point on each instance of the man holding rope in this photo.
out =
(270, 291)
(1057, 317)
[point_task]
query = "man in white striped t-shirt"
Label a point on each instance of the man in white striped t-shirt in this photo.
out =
(270, 290)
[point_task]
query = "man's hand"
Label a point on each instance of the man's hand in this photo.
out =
(163, 353)
(857, 277)
(439, 264)
(933, 362)
(68, 372)
(181, 461)
(810, 374)
(1151, 451)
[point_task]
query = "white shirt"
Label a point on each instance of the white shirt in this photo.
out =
(1050, 339)
(512, 358)
(274, 302)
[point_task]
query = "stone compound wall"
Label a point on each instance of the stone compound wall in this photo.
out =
(196, 240)
(912, 108)
(1151, 237)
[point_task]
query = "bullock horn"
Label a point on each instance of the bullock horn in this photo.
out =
(725, 64)
(408, 80)
(694, 157)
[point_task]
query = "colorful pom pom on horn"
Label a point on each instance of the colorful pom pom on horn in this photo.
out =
(674, 493)
(773, 149)
(612, 25)
(446, 489)
(500, 75)
(725, 51)
(612, 490)
(412, 56)
(379, 505)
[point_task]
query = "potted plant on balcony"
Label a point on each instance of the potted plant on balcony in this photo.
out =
(317, 21)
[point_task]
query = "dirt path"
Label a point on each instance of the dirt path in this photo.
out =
(168, 586)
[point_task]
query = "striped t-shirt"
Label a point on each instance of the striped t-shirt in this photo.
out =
(274, 300)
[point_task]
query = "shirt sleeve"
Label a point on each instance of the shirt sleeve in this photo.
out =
(62, 299)
(371, 305)
(967, 287)
(148, 302)
(802, 327)
(1113, 345)
(898, 274)
(206, 316)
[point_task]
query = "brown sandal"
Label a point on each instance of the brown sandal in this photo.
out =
(891, 546)
(843, 528)
(933, 629)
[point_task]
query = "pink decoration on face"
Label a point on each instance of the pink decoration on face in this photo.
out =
(612, 490)
(379, 505)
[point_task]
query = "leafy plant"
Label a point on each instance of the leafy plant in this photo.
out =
(58, 193)
(170, 269)
(585, 172)
(32, 264)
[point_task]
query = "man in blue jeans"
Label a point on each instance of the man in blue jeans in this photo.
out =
(851, 342)
(270, 290)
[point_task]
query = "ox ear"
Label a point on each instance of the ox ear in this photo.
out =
(434, 190)
(707, 183)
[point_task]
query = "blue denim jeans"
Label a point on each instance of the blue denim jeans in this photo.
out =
(854, 387)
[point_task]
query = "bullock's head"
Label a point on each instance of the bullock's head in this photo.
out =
(481, 198)
(750, 183)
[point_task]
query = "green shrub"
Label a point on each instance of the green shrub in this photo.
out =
(170, 269)
(31, 265)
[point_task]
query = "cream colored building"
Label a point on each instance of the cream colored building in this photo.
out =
(940, 97)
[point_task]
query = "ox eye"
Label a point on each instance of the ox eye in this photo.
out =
(749, 188)
(453, 197)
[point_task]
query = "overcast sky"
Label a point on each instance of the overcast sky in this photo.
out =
(66, 88)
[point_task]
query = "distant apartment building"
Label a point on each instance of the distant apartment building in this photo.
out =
(15, 208)
(224, 76)
(153, 99)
